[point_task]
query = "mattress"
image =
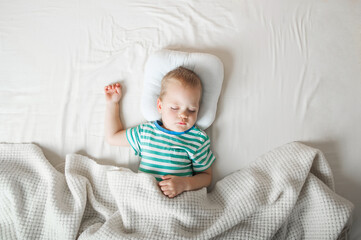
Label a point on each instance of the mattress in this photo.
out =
(292, 73)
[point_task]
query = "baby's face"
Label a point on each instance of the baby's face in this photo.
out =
(179, 107)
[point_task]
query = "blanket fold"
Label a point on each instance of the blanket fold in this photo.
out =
(287, 193)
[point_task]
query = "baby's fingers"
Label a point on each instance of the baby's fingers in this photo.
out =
(113, 88)
(167, 177)
(169, 194)
(163, 183)
(108, 88)
(118, 88)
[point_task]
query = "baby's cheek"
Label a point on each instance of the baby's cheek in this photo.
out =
(173, 113)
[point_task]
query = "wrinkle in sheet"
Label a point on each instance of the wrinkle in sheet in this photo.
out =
(114, 42)
(192, 13)
(283, 37)
(306, 90)
(121, 39)
(301, 27)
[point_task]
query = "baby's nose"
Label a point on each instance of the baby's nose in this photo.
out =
(183, 115)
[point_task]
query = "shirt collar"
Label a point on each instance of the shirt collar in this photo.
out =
(159, 125)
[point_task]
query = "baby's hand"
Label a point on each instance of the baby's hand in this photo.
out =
(172, 186)
(113, 93)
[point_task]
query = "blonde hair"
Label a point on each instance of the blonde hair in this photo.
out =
(185, 76)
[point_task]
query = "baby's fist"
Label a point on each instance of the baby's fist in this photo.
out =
(113, 92)
(172, 186)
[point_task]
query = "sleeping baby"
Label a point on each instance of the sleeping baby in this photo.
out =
(175, 151)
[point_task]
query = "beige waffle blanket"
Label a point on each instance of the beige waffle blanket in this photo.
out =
(286, 194)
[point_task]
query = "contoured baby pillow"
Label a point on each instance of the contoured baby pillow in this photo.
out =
(208, 67)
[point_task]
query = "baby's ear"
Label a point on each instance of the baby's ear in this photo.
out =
(159, 105)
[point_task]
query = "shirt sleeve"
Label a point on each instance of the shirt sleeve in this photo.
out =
(203, 158)
(133, 137)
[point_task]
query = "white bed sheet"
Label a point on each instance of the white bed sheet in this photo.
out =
(292, 73)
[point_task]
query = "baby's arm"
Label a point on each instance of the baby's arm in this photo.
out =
(114, 131)
(172, 186)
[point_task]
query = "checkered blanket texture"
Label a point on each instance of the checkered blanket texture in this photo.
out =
(288, 193)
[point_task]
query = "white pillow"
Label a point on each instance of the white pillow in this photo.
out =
(208, 67)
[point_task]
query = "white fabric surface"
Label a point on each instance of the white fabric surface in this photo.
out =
(285, 194)
(208, 68)
(292, 73)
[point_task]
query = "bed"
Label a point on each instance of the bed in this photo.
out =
(292, 72)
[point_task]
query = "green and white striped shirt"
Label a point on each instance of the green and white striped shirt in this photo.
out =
(165, 152)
